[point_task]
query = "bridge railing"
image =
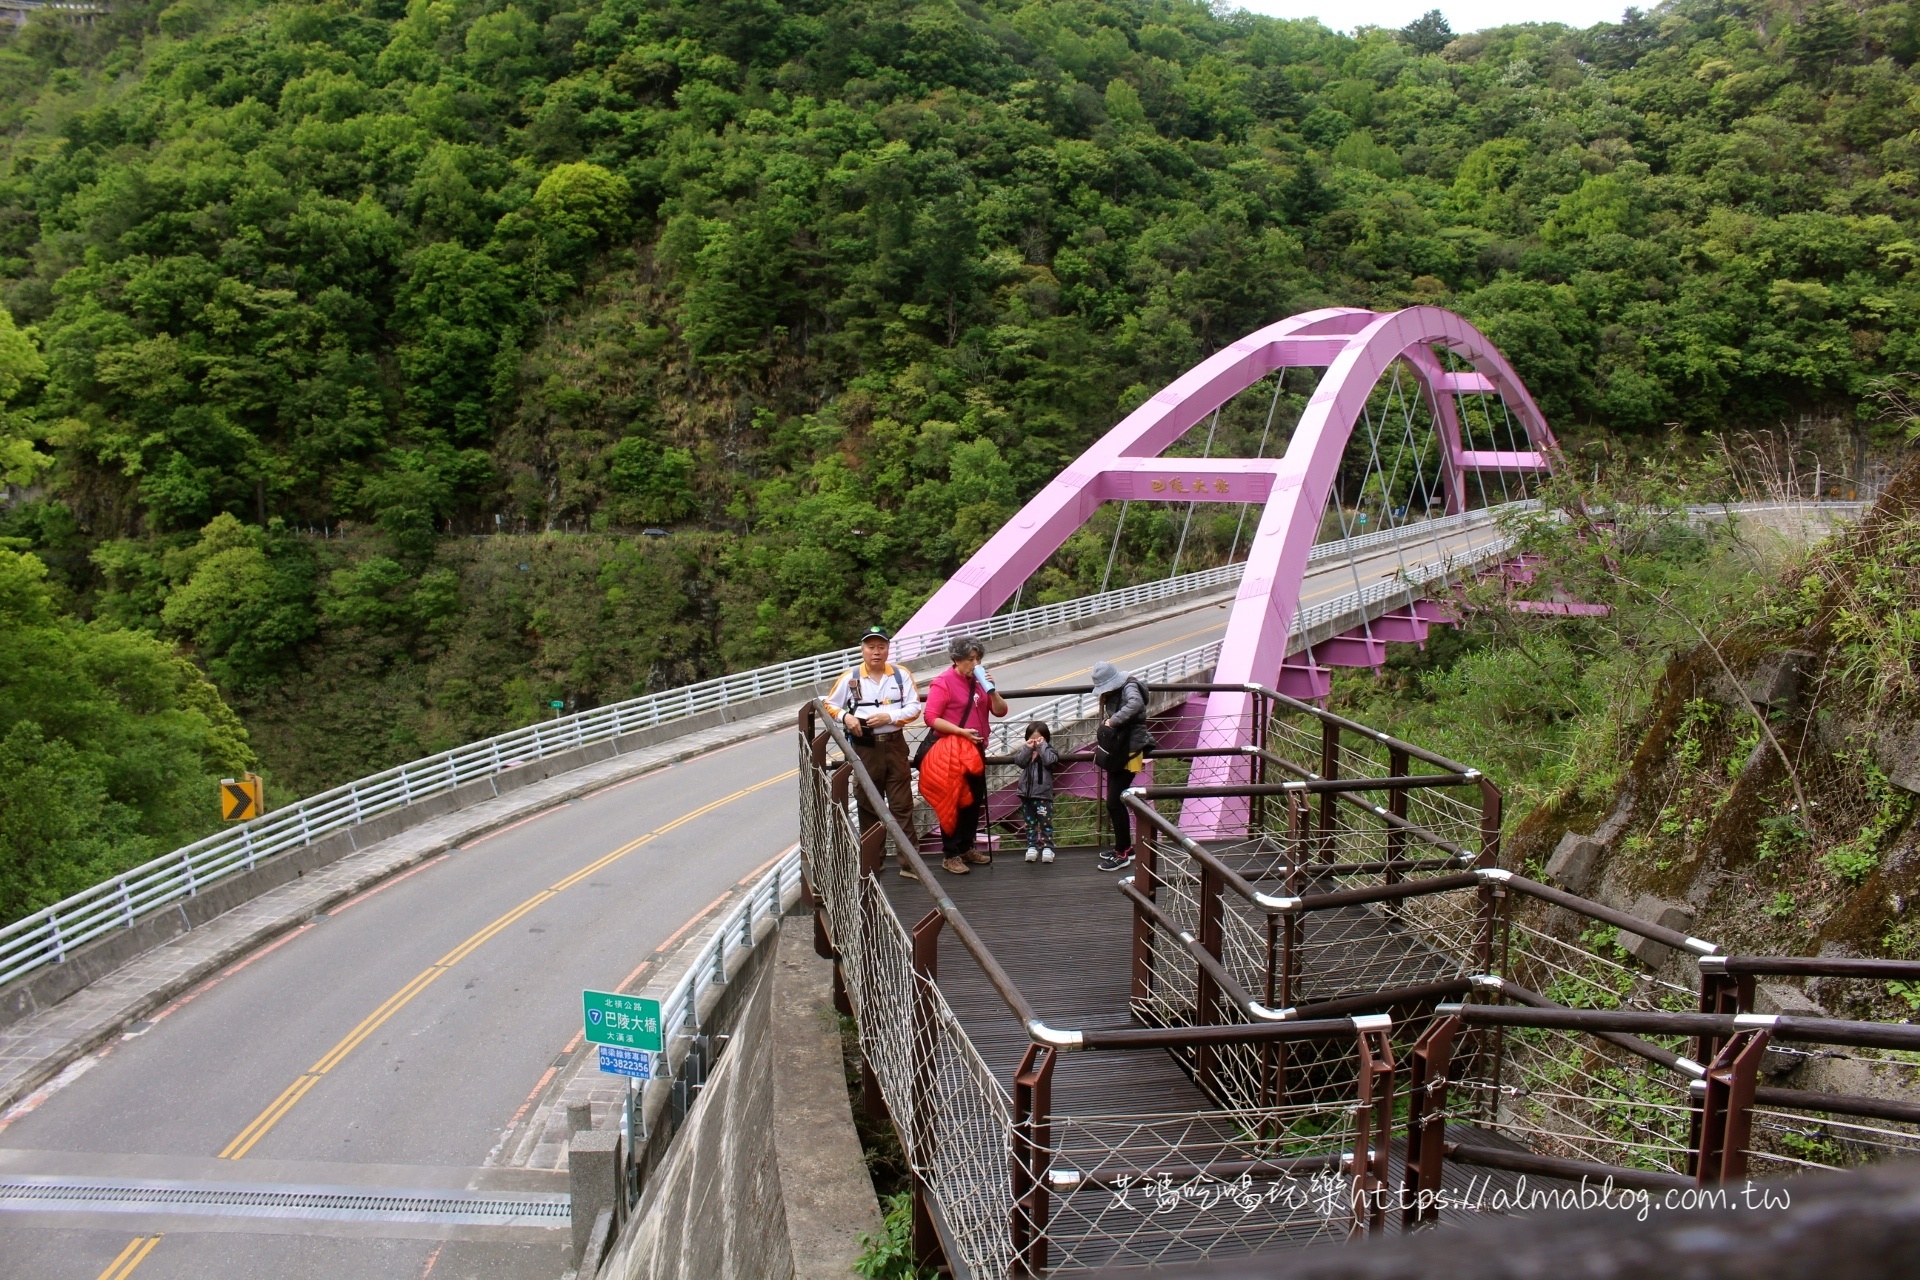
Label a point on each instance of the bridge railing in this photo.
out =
(1020, 1186)
(49, 935)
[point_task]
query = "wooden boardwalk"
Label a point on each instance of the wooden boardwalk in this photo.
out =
(1065, 936)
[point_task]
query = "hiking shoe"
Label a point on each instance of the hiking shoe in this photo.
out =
(1033, 854)
(1046, 855)
(978, 858)
(1116, 861)
(908, 873)
(955, 867)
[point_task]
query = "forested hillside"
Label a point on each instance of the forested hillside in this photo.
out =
(351, 345)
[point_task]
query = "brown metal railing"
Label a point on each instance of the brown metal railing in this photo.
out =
(1298, 981)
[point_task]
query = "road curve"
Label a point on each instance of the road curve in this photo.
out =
(393, 1043)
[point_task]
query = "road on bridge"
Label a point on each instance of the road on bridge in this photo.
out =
(393, 1044)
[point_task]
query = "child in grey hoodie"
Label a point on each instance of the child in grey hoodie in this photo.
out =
(1037, 760)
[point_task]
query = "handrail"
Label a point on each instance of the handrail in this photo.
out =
(1599, 911)
(1867, 1035)
(1386, 815)
(1811, 967)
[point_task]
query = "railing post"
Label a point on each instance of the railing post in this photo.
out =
(1146, 880)
(1372, 1124)
(1398, 766)
(1427, 1123)
(1720, 993)
(1032, 1155)
(926, 972)
(1206, 994)
(1490, 806)
(1329, 769)
(1727, 1111)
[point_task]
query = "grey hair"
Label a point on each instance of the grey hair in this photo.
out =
(964, 647)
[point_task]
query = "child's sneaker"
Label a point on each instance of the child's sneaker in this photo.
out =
(1116, 861)
(1033, 854)
(1046, 855)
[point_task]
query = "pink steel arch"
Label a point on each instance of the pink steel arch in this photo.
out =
(1355, 347)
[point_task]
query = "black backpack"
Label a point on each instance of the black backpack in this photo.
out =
(1110, 745)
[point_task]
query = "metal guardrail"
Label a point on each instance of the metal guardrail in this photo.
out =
(48, 935)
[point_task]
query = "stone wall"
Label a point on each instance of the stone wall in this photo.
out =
(764, 1178)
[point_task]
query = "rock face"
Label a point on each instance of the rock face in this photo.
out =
(1898, 755)
(1677, 916)
(1575, 864)
(1779, 997)
(1779, 680)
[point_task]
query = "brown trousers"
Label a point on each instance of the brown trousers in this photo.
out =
(887, 764)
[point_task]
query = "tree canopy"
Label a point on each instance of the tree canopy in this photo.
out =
(826, 288)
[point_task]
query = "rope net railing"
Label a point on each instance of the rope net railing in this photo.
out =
(1371, 1008)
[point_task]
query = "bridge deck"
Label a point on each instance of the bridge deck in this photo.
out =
(1064, 935)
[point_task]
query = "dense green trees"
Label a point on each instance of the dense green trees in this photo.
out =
(110, 744)
(828, 286)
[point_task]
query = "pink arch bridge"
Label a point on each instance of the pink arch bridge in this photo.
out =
(1450, 362)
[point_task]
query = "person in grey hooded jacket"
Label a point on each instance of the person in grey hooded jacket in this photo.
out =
(1037, 760)
(1124, 737)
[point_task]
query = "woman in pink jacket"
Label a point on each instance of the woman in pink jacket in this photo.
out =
(960, 703)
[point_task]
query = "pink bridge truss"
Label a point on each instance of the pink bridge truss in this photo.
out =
(1447, 357)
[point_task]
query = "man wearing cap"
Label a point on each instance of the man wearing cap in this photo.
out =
(876, 701)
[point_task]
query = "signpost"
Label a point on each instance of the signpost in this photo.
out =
(626, 1029)
(630, 1022)
(242, 798)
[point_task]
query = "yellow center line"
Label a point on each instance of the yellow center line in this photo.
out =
(1159, 644)
(244, 1141)
(130, 1257)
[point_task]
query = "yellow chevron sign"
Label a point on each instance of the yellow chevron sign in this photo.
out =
(242, 798)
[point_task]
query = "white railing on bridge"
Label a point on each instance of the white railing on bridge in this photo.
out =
(50, 934)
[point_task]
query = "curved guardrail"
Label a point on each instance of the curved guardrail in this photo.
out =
(50, 934)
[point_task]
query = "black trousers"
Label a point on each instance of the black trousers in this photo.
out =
(1118, 815)
(956, 843)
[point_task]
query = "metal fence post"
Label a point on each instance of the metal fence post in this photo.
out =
(1329, 769)
(1490, 818)
(1032, 1155)
(1145, 880)
(1399, 766)
(926, 972)
(1372, 1123)
(1427, 1123)
(1205, 990)
(1726, 1119)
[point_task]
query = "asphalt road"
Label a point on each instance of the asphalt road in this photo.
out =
(437, 1001)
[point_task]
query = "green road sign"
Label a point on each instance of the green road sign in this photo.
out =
(629, 1021)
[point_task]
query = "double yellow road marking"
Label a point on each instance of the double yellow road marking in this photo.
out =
(244, 1141)
(130, 1257)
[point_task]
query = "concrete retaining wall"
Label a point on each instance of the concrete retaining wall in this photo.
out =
(764, 1178)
